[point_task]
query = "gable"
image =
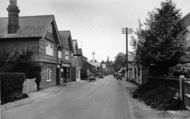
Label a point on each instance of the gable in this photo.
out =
(66, 40)
(52, 33)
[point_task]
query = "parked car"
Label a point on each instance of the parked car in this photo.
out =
(92, 78)
(118, 76)
(100, 76)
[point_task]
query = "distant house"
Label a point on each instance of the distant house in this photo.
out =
(186, 24)
(37, 33)
(137, 73)
(65, 56)
(87, 67)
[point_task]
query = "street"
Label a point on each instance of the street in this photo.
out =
(103, 99)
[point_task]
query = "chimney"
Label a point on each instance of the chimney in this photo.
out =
(13, 17)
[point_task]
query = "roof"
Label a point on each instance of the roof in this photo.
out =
(185, 58)
(30, 26)
(130, 58)
(66, 39)
(186, 20)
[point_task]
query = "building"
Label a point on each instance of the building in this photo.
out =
(137, 73)
(186, 24)
(65, 56)
(76, 64)
(37, 33)
(185, 59)
(87, 67)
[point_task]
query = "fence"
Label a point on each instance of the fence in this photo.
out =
(181, 85)
(187, 93)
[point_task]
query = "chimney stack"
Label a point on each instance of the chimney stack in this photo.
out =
(13, 17)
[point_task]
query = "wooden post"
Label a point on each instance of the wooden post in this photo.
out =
(181, 85)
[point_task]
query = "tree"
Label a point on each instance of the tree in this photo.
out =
(21, 61)
(119, 61)
(158, 41)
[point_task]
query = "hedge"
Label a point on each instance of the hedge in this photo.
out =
(11, 86)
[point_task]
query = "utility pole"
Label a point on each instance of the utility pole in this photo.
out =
(126, 31)
(93, 54)
(126, 53)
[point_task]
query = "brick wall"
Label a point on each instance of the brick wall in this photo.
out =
(42, 51)
(44, 83)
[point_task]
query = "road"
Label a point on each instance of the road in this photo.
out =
(103, 99)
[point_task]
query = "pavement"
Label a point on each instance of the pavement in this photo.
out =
(38, 95)
(142, 111)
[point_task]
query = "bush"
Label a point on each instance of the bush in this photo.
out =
(157, 94)
(179, 69)
(11, 86)
(21, 61)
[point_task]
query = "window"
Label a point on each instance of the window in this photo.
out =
(49, 48)
(49, 74)
(59, 54)
(67, 55)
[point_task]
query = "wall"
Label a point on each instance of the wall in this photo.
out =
(42, 50)
(44, 83)
(138, 74)
(73, 74)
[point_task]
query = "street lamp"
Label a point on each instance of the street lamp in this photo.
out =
(126, 31)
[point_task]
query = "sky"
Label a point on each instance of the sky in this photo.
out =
(96, 24)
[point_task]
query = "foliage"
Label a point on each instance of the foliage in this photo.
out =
(157, 94)
(157, 39)
(119, 61)
(11, 86)
(21, 61)
(180, 69)
(5, 65)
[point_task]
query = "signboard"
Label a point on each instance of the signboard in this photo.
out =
(127, 30)
(65, 65)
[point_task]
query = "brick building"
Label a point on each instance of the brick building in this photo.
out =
(37, 33)
(65, 56)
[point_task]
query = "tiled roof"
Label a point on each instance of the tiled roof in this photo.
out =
(65, 37)
(186, 20)
(30, 26)
(185, 59)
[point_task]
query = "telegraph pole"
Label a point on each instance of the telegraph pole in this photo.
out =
(93, 53)
(126, 31)
(126, 53)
